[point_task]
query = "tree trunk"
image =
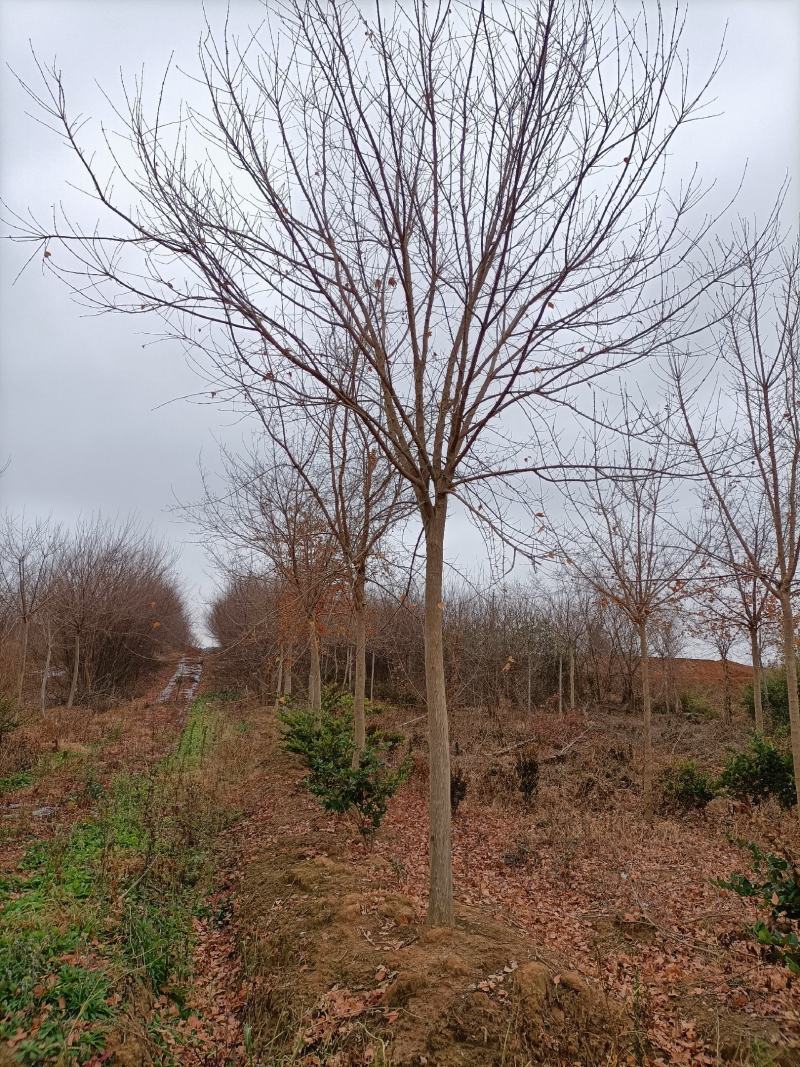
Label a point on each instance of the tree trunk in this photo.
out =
(560, 685)
(440, 901)
(793, 698)
(21, 680)
(727, 710)
(360, 625)
(372, 677)
(279, 681)
(314, 679)
(571, 678)
(287, 674)
(74, 684)
(46, 671)
(529, 682)
(758, 706)
(647, 722)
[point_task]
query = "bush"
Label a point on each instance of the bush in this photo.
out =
(775, 698)
(778, 890)
(336, 699)
(458, 789)
(9, 717)
(686, 786)
(696, 707)
(762, 770)
(527, 771)
(325, 743)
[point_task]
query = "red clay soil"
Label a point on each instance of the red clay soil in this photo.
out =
(705, 677)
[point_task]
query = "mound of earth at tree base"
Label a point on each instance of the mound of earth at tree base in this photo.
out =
(344, 978)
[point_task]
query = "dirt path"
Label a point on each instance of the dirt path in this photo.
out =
(183, 684)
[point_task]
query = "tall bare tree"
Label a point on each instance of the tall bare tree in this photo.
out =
(620, 539)
(359, 496)
(28, 551)
(267, 509)
(471, 196)
(749, 452)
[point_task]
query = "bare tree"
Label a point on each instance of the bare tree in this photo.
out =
(568, 613)
(738, 593)
(28, 551)
(668, 639)
(358, 495)
(472, 196)
(268, 509)
(622, 542)
(750, 456)
(115, 603)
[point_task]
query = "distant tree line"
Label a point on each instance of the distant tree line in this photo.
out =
(84, 613)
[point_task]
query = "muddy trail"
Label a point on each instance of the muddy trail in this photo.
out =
(184, 682)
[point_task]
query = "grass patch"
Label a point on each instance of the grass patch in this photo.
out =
(105, 910)
(18, 780)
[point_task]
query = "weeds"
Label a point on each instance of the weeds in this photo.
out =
(107, 906)
(777, 889)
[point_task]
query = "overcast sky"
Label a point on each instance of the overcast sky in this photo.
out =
(90, 411)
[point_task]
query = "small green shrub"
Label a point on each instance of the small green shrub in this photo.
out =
(386, 739)
(761, 771)
(527, 772)
(360, 788)
(336, 699)
(777, 889)
(686, 786)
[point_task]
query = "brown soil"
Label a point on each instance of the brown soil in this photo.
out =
(584, 935)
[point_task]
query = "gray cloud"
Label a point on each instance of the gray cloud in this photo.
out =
(82, 399)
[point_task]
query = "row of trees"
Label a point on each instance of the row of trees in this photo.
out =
(83, 613)
(451, 223)
(569, 640)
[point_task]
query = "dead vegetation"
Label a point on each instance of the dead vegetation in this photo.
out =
(583, 933)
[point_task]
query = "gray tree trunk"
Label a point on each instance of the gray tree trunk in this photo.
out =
(790, 659)
(74, 684)
(46, 671)
(360, 625)
(287, 674)
(279, 680)
(647, 721)
(440, 901)
(758, 704)
(314, 678)
(26, 626)
(529, 682)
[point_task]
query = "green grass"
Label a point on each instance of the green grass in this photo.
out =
(108, 906)
(18, 780)
(197, 737)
